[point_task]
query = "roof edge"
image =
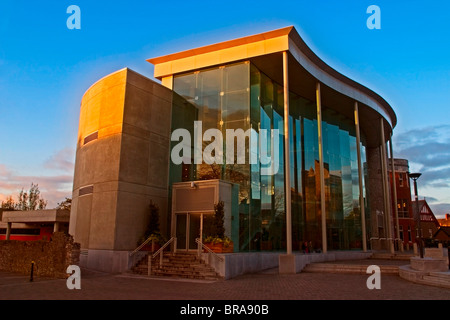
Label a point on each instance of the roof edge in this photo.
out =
(222, 45)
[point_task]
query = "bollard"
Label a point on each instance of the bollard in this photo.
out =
(32, 269)
(448, 256)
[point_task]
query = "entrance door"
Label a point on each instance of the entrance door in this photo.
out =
(188, 228)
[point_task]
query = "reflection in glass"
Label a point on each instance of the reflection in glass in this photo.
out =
(239, 96)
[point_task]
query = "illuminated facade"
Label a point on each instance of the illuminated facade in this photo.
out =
(330, 185)
(241, 96)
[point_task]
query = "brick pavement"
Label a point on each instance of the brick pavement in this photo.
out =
(284, 295)
(267, 285)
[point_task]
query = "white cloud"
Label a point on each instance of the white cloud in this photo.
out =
(428, 151)
(53, 188)
(62, 160)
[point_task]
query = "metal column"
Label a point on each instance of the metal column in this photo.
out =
(387, 204)
(360, 174)
(394, 195)
(322, 173)
(287, 175)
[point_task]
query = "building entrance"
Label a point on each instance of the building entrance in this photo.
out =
(189, 226)
(193, 202)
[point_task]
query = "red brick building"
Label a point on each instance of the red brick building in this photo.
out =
(428, 222)
(401, 203)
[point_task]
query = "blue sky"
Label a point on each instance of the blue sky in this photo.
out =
(45, 68)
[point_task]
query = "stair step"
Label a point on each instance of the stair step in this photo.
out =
(444, 275)
(392, 256)
(435, 280)
(347, 268)
(183, 265)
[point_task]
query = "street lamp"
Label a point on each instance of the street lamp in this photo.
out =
(416, 176)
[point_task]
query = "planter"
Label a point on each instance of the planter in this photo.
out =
(220, 248)
(266, 245)
(150, 248)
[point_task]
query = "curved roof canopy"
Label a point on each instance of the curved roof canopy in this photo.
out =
(305, 70)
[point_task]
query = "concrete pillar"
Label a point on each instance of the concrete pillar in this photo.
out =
(8, 230)
(375, 195)
(56, 226)
(322, 172)
(360, 175)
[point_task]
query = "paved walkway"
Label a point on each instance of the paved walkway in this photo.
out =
(268, 285)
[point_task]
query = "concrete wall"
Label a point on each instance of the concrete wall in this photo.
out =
(124, 167)
(237, 264)
(375, 193)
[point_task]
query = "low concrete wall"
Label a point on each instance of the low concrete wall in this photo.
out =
(51, 258)
(236, 264)
(302, 260)
(110, 261)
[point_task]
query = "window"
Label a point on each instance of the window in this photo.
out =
(90, 137)
(400, 179)
(85, 190)
(402, 207)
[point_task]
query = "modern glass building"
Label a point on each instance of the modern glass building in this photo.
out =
(240, 96)
(303, 147)
(246, 84)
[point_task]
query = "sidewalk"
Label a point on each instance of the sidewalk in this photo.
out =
(267, 285)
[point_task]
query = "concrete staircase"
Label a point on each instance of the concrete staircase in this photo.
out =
(392, 256)
(439, 279)
(328, 267)
(393, 264)
(180, 265)
(388, 263)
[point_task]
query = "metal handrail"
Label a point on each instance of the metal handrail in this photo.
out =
(164, 246)
(202, 245)
(160, 252)
(140, 246)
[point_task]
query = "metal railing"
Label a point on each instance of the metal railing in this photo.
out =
(132, 253)
(136, 257)
(201, 245)
(161, 254)
(154, 255)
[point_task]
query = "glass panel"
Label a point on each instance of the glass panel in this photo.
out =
(221, 99)
(181, 231)
(194, 230)
(264, 218)
(279, 213)
(239, 96)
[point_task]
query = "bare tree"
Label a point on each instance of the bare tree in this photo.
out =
(26, 200)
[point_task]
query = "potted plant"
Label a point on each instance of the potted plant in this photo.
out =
(153, 233)
(215, 238)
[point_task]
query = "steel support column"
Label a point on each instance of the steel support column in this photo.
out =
(394, 195)
(322, 172)
(360, 175)
(287, 175)
(387, 204)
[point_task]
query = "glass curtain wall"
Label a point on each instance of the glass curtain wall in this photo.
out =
(219, 98)
(240, 96)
